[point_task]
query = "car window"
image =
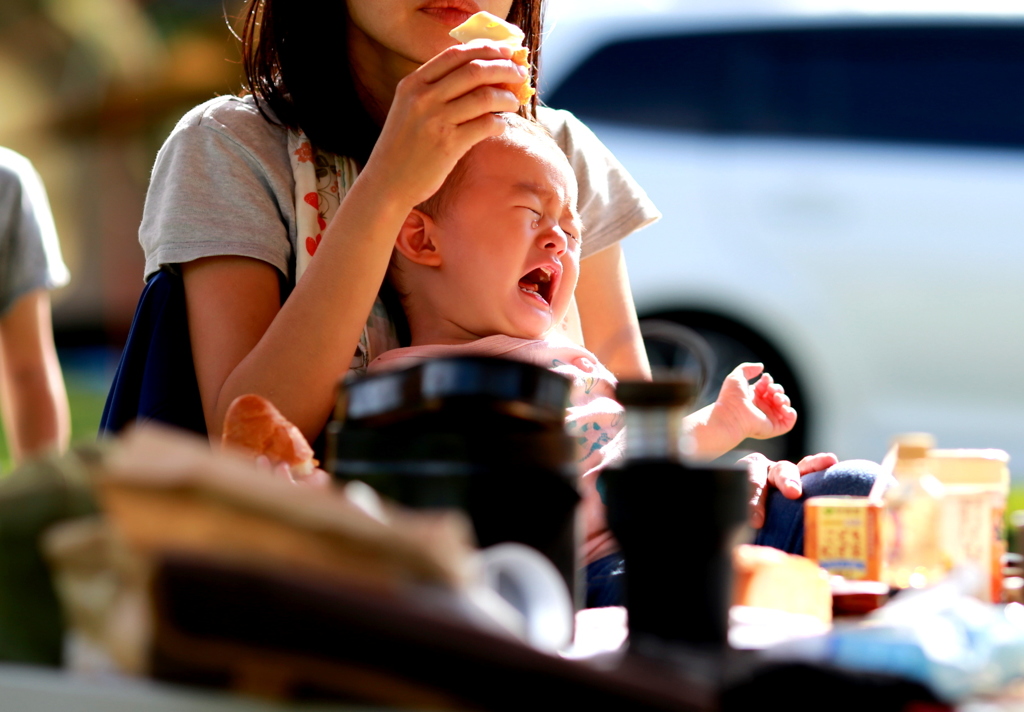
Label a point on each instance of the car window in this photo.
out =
(941, 84)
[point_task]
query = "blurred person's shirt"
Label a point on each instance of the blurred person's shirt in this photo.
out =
(30, 257)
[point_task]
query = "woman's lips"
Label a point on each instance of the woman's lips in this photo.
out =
(451, 12)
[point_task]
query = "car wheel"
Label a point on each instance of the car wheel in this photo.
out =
(707, 347)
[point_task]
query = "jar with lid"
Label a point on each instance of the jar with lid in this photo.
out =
(914, 551)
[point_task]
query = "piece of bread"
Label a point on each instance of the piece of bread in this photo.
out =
(485, 26)
(770, 578)
(254, 425)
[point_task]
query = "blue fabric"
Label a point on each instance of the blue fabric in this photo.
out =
(156, 379)
(605, 581)
(784, 518)
(783, 528)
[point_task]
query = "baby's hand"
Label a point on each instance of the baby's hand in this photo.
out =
(760, 410)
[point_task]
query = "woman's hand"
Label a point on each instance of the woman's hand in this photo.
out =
(317, 478)
(783, 475)
(440, 111)
(244, 340)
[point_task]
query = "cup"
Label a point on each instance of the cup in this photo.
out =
(519, 588)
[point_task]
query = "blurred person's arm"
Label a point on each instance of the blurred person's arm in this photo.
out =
(35, 404)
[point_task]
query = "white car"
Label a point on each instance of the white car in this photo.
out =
(843, 198)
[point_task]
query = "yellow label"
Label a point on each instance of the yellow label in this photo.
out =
(841, 536)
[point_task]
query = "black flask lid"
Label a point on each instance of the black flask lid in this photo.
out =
(469, 384)
(667, 393)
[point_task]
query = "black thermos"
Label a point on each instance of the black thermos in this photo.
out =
(484, 435)
(677, 522)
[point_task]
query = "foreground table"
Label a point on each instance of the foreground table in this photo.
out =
(37, 689)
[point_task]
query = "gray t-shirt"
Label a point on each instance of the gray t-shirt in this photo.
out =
(223, 185)
(30, 256)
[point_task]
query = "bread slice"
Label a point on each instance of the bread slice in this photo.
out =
(483, 26)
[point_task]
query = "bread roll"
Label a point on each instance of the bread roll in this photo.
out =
(485, 26)
(770, 578)
(254, 425)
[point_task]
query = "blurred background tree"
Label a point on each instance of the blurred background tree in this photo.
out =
(89, 89)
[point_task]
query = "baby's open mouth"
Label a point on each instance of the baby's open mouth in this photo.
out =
(538, 282)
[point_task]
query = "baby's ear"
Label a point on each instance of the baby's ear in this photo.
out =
(416, 240)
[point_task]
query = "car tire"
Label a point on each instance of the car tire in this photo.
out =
(707, 347)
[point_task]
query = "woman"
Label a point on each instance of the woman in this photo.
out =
(405, 106)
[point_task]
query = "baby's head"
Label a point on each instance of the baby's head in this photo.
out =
(496, 250)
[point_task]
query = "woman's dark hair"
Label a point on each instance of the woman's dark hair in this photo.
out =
(301, 73)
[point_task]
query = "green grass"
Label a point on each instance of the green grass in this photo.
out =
(1016, 500)
(86, 409)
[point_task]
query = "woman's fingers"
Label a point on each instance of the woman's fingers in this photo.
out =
(481, 127)
(440, 111)
(461, 72)
(454, 57)
(280, 470)
(283, 471)
(480, 102)
(475, 74)
(319, 479)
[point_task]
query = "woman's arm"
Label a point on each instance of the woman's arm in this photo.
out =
(607, 315)
(32, 394)
(244, 341)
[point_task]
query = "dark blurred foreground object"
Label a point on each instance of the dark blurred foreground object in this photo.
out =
(677, 522)
(165, 492)
(483, 435)
(291, 637)
(297, 638)
(805, 688)
(244, 581)
(33, 497)
(677, 525)
(202, 570)
(857, 598)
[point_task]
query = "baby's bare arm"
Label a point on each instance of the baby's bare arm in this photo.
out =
(743, 410)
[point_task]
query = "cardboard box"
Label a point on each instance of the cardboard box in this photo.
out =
(843, 535)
